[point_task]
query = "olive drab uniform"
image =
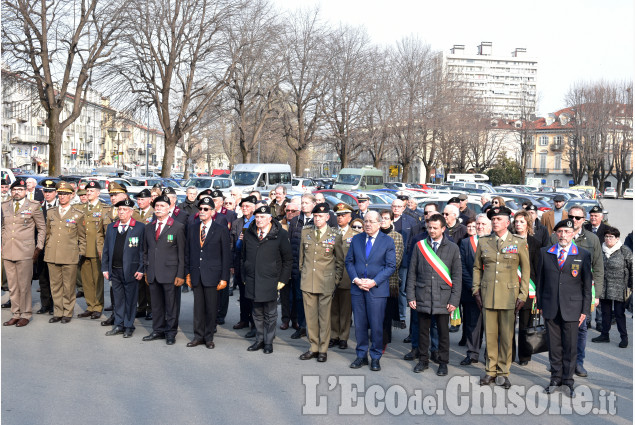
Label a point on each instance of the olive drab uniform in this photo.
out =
(495, 275)
(341, 307)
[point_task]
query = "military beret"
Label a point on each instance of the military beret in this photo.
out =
(342, 208)
(454, 200)
(19, 183)
(596, 209)
(203, 194)
(169, 191)
(531, 207)
(463, 197)
(205, 201)
(48, 185)
(125, 203)
(115, 187)
(363, 197)
(217, 194)
(161, 198)
(251, 199)
(403, 197)
(5, 182)
(502, 211)
(263, 209)
(145, 193)
(81, 192)
(321, 208)
(65, 187)
(93, 185)
(157, 186)
(568, 224)
(558, 198)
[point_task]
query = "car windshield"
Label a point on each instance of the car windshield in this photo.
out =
(170, 183)
(245, 178)
(348, 179)
(199, 183)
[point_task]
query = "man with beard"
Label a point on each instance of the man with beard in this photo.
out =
(550, 218)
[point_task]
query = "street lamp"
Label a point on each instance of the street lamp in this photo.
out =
(114, 132)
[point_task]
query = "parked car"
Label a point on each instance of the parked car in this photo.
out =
(225, 185)
(38, 178)
(587, 204)
(628, 194)
(610, 192)
(303, 185)
(346, 197)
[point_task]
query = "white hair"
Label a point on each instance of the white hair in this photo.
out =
(486, 196)
(452, 209)
(483, 216)
(31, 180)
(296, 200)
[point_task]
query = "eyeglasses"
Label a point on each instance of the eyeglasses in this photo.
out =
(609, 237)
(385, 219)
(205, 209)
(575, 217)
(446, 214)
(357, 227)
(291, 210)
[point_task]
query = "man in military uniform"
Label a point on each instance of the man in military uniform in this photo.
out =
(65, 249)
(341, 308)
(92, 278)
(498, 292)
(322, 264)
(5, 193)
(20, 220)
(146, 212)
(50, 202)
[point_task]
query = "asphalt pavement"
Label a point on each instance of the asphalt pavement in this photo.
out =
(74, 374)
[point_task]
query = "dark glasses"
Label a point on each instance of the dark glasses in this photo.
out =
(356, 227)
(205, 209)
(574, 217)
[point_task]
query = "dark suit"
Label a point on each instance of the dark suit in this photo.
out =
(125, 286)
(207, 265)
(407, 227)
(472, 317)
(46, 299)
(563, 295)
(369, 307)
(599, 233)
(38, 195)
(164, 261)
(238, 226)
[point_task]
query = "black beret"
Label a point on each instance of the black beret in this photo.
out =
(145, 193)
(502, 211)
(563, 223)
(217, 194)
(19, 183)
(161, 198)
(157, 186)
(454, 200)
(169, 191)
(596, 209)
(321, 208)
(125, 203)
(49, 185)
(263, 209)
(5, 182)
(403, 197)
(531, 207)
(93, 185)
(249, 199)
(206, 192)
(558, 198)
(205, 201)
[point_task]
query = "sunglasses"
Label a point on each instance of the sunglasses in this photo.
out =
(574, 217)
(205, 209)
(357, 227)
(292, 210)
(446, 214)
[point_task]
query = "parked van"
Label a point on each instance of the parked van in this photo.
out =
(453, 177)
(366, 178)
(591, 191)
(248, 177)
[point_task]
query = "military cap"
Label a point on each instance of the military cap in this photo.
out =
(342, 208)
(81, 192)
(596, 209)
(206, 192)
(48, 186)
(161, 198)
(321, 208)
(93, 184)
(403, 197)
(64, 187)
(502, 211)
(568, 224)
(363, 197)
(263, 209)
(19, 183)
(205, 201)
(531, 207)
(157, 186)
(169, 191)
(454, 200)
(462, 197)
(558, 198)
(125, 203)
(5, 182)
(115, 187)
(217, 194)
(251, 199)
(145, 193)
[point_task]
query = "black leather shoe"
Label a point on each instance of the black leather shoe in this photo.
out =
(80, 294)
(170, 340)
(623, 343)
(55, 319)
(468, 361)
(402, 324)
(308, 355)
(407, 340)
(374, 365)
(321, 357)
(231, 292)
(109, 308)
(153, 336)
(333, 342)
(503, 381)
(359, 362)
(109, 321)
(6, 305)
(140, 314)
(210, 345)
(487, 380)
(420, 367)
(343, 345)
(268, 349)
(412, 354)
(240, 325)
(195, 343)
(256, 346)
(41, 311)
(66, 320)
(581, 371)
(463, 342)
(251, 333)
(454, 328)
(434, 356)
(571, 391)
(85, 314)
(553, 386)
(523, 363)
(95, 315)
(220, 321)
(442, 370)
(601, 338)
(148, 316)
(299, 333)
(128, 333)
(115, 331)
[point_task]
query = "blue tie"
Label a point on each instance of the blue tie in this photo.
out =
(369, 246)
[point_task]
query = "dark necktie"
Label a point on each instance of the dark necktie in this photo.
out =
(261, 234)
(122, 229)
(595, 230)
(435, 246)
(17, 206)
(158, 233)
(561, 259)
(202, 235)
(369, 246)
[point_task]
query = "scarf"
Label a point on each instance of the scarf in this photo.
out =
(609, 251)
(386, 231)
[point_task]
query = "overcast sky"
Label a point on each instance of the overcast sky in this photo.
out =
(572, 40)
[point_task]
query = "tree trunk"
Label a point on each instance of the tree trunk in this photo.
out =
(55, 143)
(405, 171)
(300, 160)
(168, 157)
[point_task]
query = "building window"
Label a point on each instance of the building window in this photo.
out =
(557, 140)
(556, 183)
(529, 161)
(543, 162)
(557, 162)
(544, 140)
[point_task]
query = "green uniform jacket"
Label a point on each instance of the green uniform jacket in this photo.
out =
(345, 281)
(65, 236)
(96, 221)
(496, 271)
(321, 262)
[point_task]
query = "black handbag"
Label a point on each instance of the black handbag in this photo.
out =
(534, 339)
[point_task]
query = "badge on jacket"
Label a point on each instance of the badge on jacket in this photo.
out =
(170, 238)
(511, 249)
(575, 269)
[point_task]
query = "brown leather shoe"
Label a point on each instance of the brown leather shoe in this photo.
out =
(308, 355)
(85, 314)
(284, 326)
(22, 322)
(321, 357)
(241, 325)
(11, 322)
(343, 344)
(210, 344)
(295, 325)
(195, 343)
(487, 380)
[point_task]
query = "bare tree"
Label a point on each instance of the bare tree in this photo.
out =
(525, 134)
(622, 137)
(177, 56)
(58, 44)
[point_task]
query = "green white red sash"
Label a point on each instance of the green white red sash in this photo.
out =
(532, 285)
(435, 262)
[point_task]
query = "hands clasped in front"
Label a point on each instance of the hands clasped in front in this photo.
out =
(365, 284)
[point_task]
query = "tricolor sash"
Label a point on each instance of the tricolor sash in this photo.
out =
(435, 262)
(473, 242)
(532, 285)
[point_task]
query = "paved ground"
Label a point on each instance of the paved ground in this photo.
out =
(72, 374)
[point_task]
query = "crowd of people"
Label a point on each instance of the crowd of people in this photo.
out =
(433, 271)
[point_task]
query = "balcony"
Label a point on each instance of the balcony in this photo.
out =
(556, 147)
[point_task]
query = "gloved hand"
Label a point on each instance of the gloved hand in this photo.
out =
(519, 305)
(221, 285)
(280, 285)
(479, 302)
(81, 259)
(178, 281)
(36, 254)
(188, 280)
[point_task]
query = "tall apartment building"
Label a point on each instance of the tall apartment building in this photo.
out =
(507, 84)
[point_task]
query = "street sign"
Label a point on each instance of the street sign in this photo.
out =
(74, 151)
(439, 176)
(393, 171)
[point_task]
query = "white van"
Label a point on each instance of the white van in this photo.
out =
(365, 178)
(248, 177)
(454, 177)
